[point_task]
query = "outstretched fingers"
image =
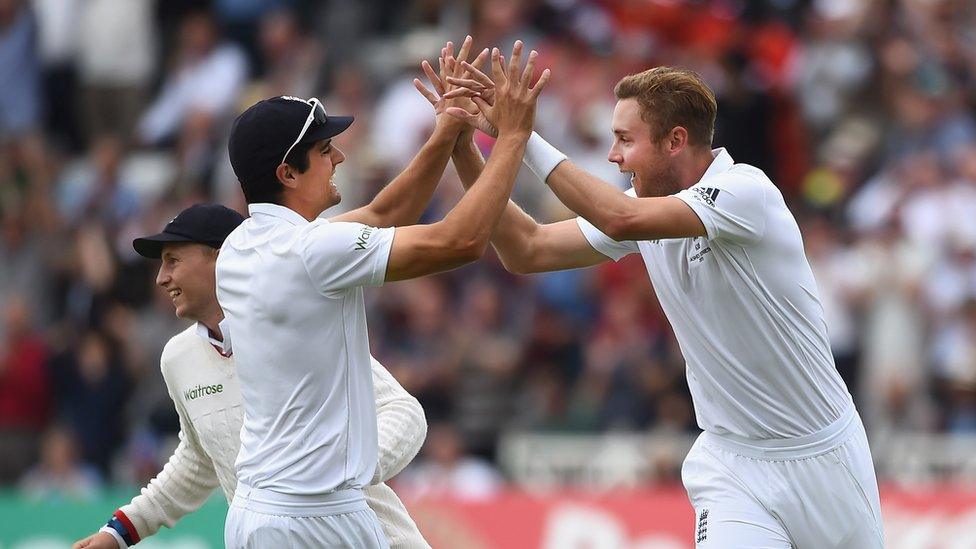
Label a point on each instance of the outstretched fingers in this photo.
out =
(497, 67)
(429, 95)
(515, 63)
(463, 52)
(479, 60)
(476, 74)
(435, 80)
(466, 83)
(540, 84)
(529, 70)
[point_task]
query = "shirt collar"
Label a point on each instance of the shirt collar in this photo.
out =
(223, 347)
(721, 162)
(276, 210)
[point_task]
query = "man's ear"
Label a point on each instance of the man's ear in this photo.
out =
(677, 139)
(286, 175)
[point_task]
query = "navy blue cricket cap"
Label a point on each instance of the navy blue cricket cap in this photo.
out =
(201, 224)
(263, 133)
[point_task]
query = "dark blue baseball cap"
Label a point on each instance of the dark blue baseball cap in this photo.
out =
(201, 224)
(263, 133)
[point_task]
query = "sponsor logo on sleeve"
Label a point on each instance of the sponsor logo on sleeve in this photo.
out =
(363, 238)
(708, 195)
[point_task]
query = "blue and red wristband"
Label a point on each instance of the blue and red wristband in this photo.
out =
(121, 524)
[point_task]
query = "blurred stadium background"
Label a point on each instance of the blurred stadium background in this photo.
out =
(557, 404)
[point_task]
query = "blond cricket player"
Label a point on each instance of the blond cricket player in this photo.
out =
(783, 461)
(200, 374)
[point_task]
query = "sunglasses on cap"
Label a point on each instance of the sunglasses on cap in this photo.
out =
(317, 115)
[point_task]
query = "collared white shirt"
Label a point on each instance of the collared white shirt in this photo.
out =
(291, 291)
(744, 307)
(223, 346)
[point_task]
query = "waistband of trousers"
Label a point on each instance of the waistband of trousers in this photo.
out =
(299, 505)
(804, 446)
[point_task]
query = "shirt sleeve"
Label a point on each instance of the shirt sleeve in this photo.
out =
(732, 207)
(602, 243)
(342, 255)
(182, 487)
(400, 424)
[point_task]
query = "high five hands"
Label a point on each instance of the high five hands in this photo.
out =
(505, 101)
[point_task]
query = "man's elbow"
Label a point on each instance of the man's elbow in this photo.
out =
(468, 250)
(617, 227)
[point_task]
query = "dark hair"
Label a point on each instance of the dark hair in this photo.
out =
(268, 188)
(671, 97)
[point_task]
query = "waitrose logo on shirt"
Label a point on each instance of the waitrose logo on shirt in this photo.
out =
(202, 390)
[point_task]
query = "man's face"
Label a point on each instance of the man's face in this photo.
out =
(635, 151)
(187, 275)
(317, 184)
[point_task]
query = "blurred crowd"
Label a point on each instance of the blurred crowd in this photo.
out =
(114, 116)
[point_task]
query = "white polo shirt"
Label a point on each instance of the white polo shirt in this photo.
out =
(743, 304)
(291, 294)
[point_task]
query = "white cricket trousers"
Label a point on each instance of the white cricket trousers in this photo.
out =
(264, 519)
(817, 491)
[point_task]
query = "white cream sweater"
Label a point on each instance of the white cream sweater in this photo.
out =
(204, 387)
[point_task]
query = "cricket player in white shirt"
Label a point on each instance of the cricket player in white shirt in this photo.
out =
(783, 460)
(290, 284)
(199, 371)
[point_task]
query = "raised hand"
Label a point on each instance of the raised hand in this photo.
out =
(449, 66)
(514, 99)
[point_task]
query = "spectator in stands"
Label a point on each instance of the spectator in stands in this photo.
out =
(443, 470)
(92, 388)
(25, 390)
(197, 97)
(116, 61)
(60, 475)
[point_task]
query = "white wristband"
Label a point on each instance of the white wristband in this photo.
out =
(116, 535)
(541, 157)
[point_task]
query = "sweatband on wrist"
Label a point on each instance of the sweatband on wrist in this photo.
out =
(115, 534)
(121, 524)
(541, 157)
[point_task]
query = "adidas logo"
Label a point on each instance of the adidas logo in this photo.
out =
(708, 194)
(701, 534)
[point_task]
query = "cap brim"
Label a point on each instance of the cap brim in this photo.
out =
(152, 246)
(332, 127)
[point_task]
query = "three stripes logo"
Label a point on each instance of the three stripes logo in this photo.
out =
(708, 195)
(701, 534)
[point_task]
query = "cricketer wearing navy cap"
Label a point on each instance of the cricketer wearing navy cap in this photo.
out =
(291, 286)
(275, 131)
(201, 223)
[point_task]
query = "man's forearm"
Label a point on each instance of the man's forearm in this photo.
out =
(183, 486)
(590, 197)
(511, 238)
(478, 211)
(404, 200)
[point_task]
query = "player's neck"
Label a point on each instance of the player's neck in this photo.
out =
(694, 169)
(300, 208)
(212, 322)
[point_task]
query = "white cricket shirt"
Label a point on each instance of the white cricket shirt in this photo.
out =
(743, 305)
(291, 294)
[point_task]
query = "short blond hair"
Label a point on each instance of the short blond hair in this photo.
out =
(670, 97)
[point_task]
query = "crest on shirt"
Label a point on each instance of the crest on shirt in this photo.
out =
(708, 195)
